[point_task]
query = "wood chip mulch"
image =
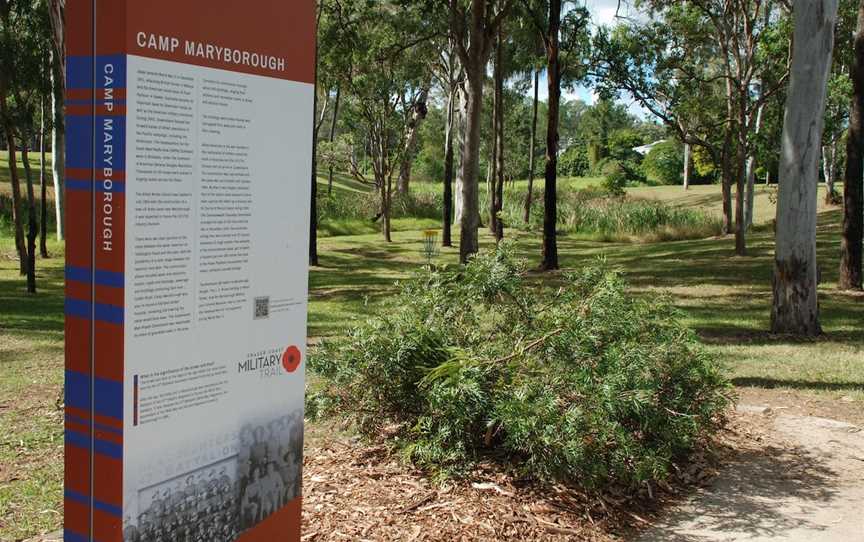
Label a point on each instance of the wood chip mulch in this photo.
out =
(358, 493)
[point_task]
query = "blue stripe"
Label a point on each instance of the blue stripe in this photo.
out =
(109, 398)
(79, 440)
(79, 72)
(103, 447)
(116, 128)
(99, 426)
(115, 511)
(75, 496)
(69, 536)
(103, 278)
(104, 313)
(88, 102)
(99, 505)
(114, 451)
(86, 186)
(78, 308)
(119, 74)
(79, 142)
(77, 390)
(109, 313)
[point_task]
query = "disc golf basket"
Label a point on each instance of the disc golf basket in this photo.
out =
(430, 246)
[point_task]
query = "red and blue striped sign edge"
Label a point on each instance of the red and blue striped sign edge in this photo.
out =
(95, 195)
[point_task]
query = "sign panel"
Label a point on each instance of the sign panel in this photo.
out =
(188, 164)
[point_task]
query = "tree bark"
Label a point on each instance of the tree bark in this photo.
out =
(751, 172)
(333, 136)
(550, 194)
(313, 200)
(58, 148)
(475, 71)
(532, 149)
(686, 166)
(829, 168)
(492, 170)
(417, 118)
(447, 219)
(853, 190)
(468, 242)
(17, 220)
(726, 173)
(795, 308)
(33, 228)
(741, 182)
(43, 204)
(460, 123)
(498, 180)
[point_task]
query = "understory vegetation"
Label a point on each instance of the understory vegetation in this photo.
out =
(598, 214)
(591, 212)
(582, 383)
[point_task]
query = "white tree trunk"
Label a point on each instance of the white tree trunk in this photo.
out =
(686, 166)
(58, 149)
(417, 118)
(796, 307)
(829, 168)
(750, 195)
(459, 134)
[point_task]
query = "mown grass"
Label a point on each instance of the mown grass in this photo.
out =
(31, 377)
(726, 299)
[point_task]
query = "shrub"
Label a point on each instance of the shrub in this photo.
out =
(615, 182)
(664, 163)
(585, 383)
(618, 174)
(574, 162)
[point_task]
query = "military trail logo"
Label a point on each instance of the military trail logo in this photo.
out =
(271, 363)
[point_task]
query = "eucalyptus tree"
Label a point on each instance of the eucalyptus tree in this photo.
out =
(57, 15)
(24, 34)
(472, 24)
(795, 308)
(562, 27)
(669, 66)
(689, 51)
(449, 74)
(853, 191)
(387, 70)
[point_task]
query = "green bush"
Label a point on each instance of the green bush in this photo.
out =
(574, 162)
(664, 163)
(618, 174)
(615, 182)
(584, 383)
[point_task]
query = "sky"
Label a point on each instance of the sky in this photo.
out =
(602, 14)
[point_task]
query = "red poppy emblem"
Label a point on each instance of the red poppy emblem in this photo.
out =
(291, 359)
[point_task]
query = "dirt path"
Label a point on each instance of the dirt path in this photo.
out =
(800, 480)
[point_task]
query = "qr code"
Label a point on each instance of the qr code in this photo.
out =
(262, 308)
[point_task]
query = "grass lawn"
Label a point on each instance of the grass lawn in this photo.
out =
(725, 298)
(35, 170)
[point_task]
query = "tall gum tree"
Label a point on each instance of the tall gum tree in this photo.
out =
(795, 309)
(387, 68)
(853, 189)
(563, 63)
(472, 25)
(692, 52)
(448, 74)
